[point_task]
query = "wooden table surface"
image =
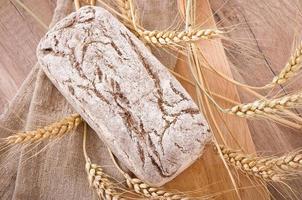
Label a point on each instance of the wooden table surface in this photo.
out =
(267, 30)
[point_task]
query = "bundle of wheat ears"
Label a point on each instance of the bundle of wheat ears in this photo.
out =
(278, 109)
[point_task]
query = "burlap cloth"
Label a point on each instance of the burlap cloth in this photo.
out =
(58, 171)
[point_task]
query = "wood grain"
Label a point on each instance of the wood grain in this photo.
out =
(214, 53)
(19, 34)
(271, 40)
(270, 31)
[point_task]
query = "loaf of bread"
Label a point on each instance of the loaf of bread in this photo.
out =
(125, 94)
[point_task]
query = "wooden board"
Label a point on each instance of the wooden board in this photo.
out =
(210, 170)
(269, 31)
(19, 34)
(272, 40)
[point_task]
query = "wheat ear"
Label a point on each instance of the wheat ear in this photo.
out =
(175, 37)
(291, 68)
(146, 190)
(267, 168)
(99, 180)
(151, 192)
(260, 107)
(54, 130)
(162, 38)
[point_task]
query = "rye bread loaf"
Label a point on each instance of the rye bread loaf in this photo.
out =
(124, 93)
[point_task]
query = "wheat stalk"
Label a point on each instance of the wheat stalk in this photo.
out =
(291, 68)
(267, 168)
(54, 130)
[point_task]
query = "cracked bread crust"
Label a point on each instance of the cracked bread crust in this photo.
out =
(125, 94)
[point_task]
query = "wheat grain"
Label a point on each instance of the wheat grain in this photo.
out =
(267, 168)
(54, 130)
(101, 182)
(291, 68)
(290, 163)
